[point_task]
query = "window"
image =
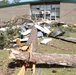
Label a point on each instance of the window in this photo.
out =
(52, 11)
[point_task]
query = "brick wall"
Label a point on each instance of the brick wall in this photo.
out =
(68, 12)
(8, 12)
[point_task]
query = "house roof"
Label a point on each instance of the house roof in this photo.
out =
(35, 1)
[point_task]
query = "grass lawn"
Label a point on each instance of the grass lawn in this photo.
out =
(69, 48)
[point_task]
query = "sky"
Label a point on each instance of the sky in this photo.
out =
(20, 1)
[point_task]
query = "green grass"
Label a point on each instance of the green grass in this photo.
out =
(59, 71)
(65, 47)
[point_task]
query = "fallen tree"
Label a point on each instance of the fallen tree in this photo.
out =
(30, 55)
(60, 59)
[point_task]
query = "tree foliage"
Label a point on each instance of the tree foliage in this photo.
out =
(3, 2)
(16, 1)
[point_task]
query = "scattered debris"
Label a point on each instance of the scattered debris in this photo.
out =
(6, 49)
(61, 23)
(70, 39)
(45, 30)
(28, 24)
(47, 21)
(22, 40)
(2, 29)
(58, 33)
(40, 34)
(46, 40)
(65, 26)
(26, 32)
(23, 28)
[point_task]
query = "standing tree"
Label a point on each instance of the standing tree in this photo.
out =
(4, 2)
(16, 1)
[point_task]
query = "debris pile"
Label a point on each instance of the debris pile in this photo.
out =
(21, 28)
(26, 54)
(25, 34)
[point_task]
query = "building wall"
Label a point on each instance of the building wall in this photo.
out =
(9, 12)
(68, 12)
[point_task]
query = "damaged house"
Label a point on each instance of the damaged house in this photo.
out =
(59, 10)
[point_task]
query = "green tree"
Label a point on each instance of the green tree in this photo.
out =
(3, 2)
(16, 1)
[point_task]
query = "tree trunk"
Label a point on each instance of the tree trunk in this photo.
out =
(33, 39)
(60, 59)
